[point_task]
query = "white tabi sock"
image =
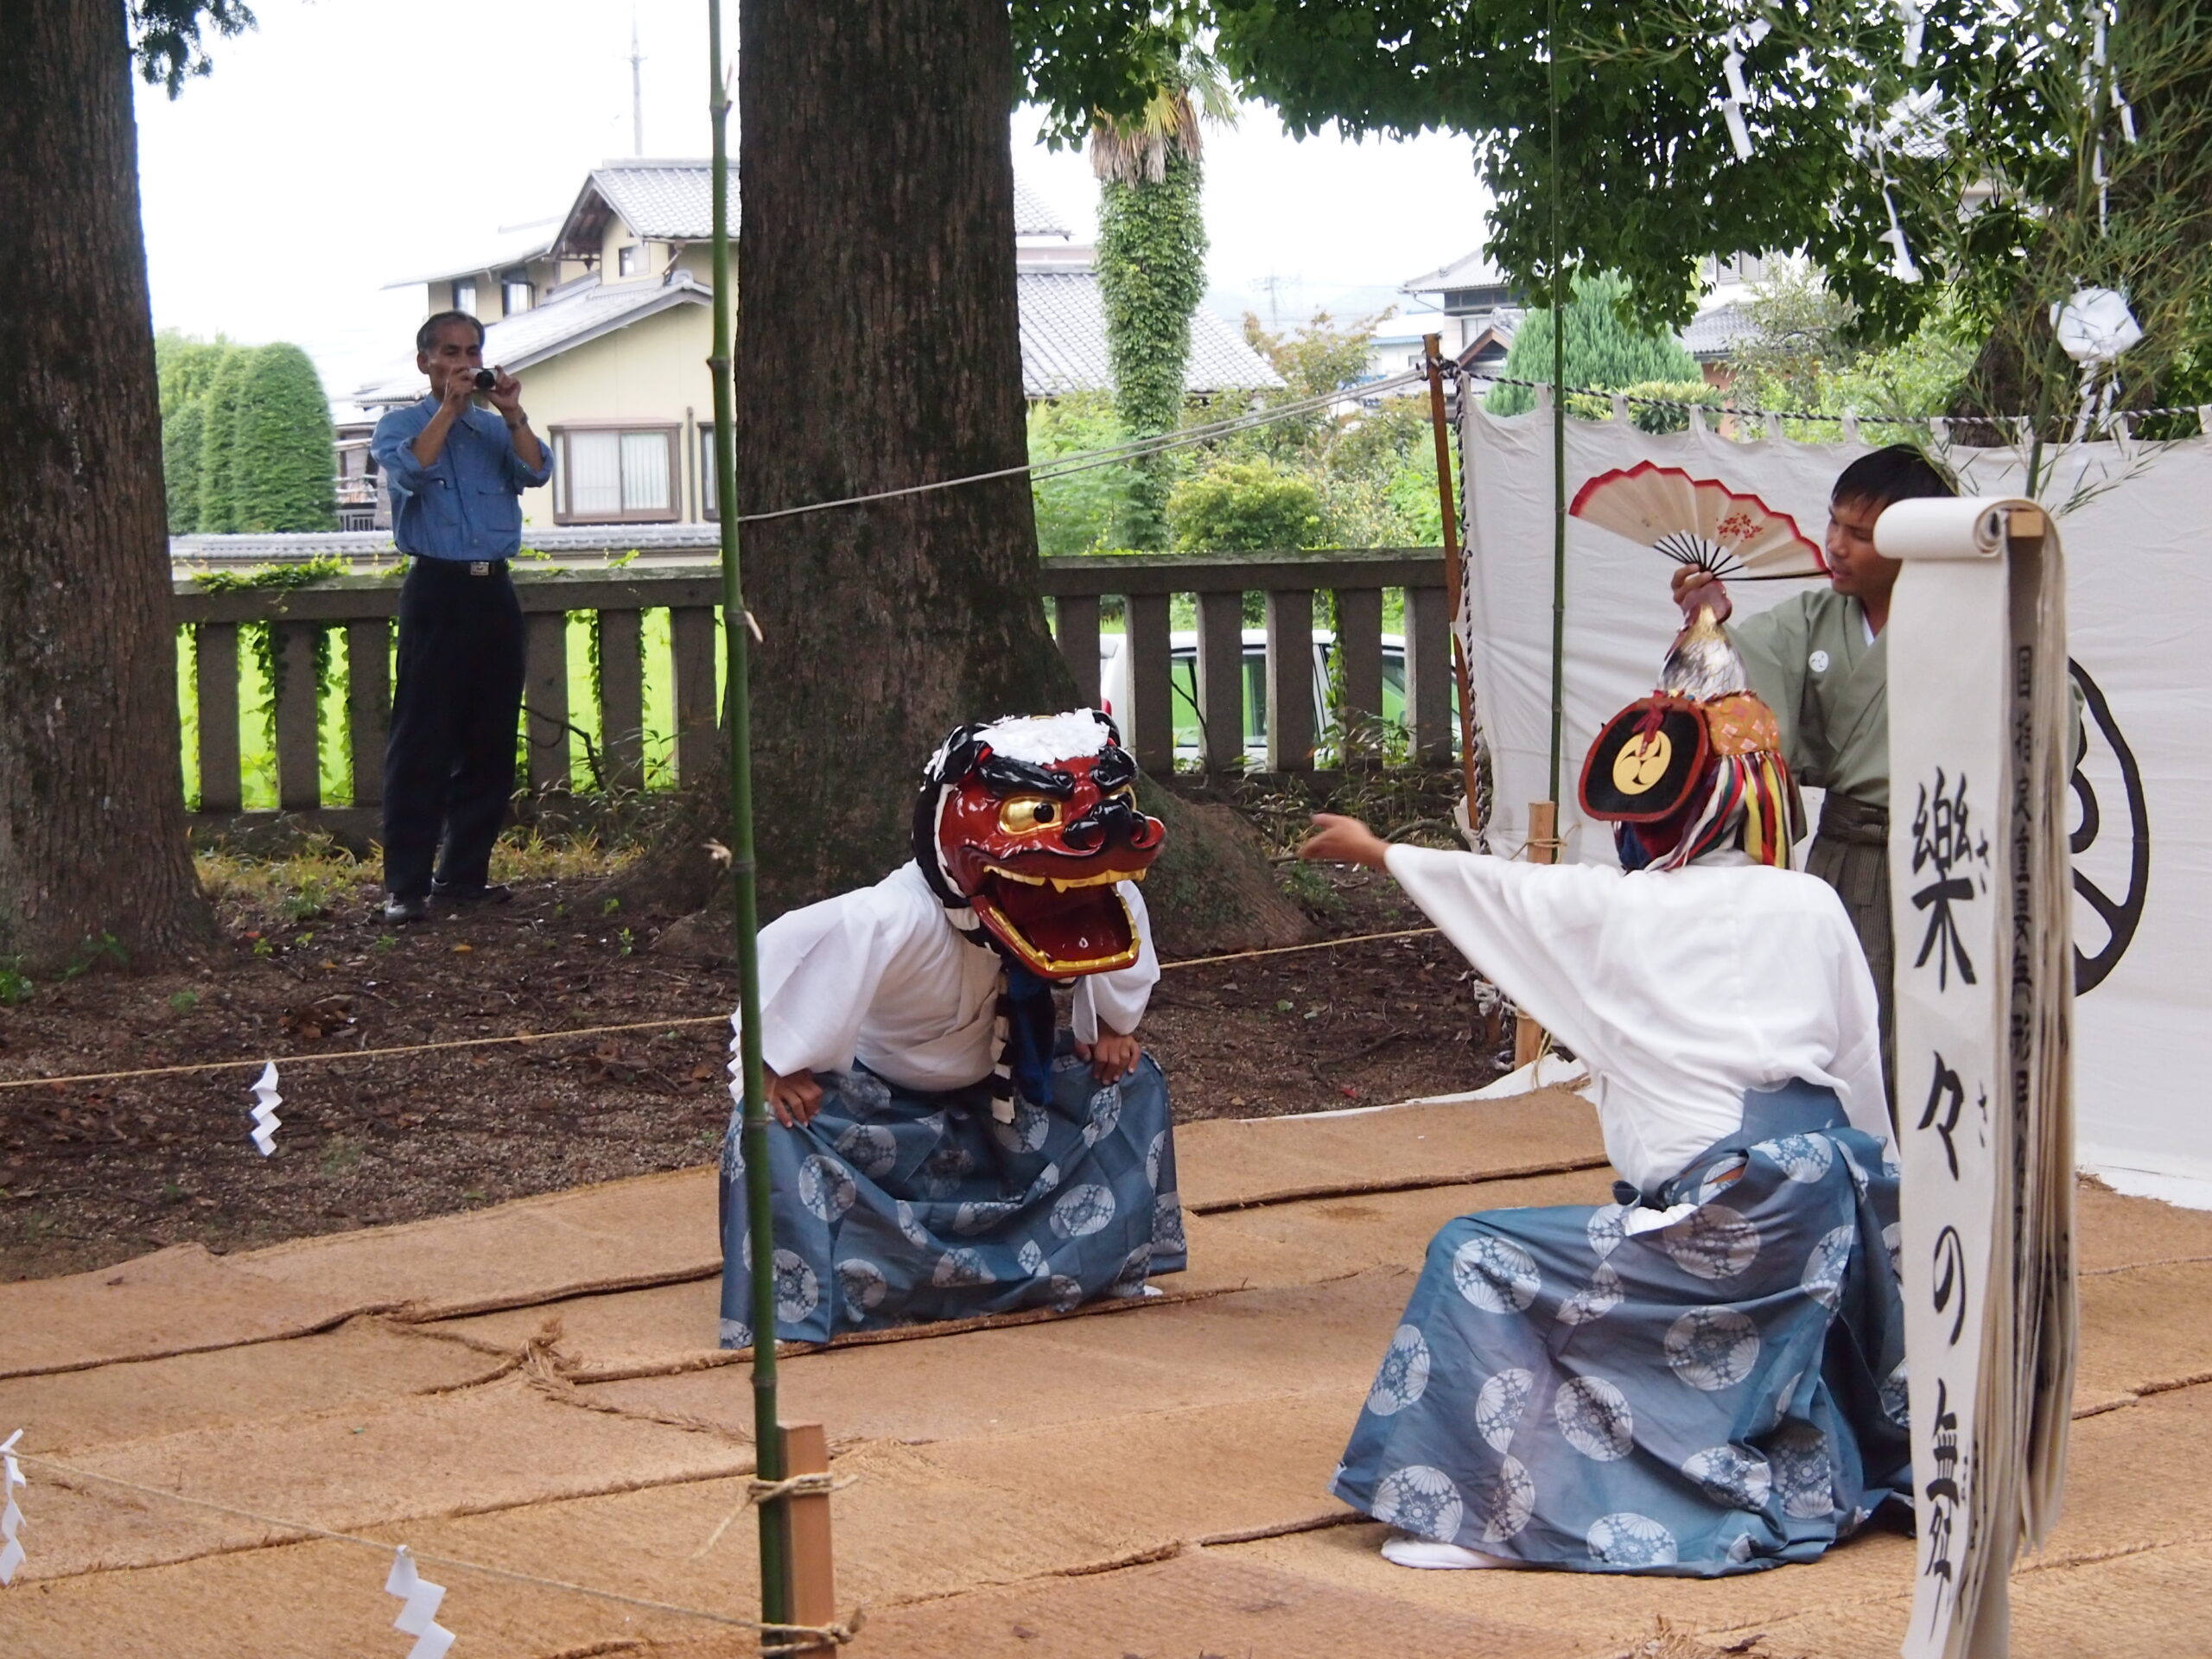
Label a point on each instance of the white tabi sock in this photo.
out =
(1404, 1551)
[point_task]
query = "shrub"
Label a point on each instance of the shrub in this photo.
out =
(1246, 506)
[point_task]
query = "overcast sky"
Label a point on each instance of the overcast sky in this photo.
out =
(344, 145)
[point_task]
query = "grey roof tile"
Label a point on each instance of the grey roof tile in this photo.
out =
(1063, 341)
(673, 201)
(663, 201)
(1032, 216)
(1719, 331)
(1063, 336)
(1469, 271)
(582, 311)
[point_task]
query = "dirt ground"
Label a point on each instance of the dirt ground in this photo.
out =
(95, 1172)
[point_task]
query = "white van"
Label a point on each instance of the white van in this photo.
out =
(1182, 679)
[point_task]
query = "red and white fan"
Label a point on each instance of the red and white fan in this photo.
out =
(1699, 521)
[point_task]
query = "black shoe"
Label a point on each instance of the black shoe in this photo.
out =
(399, 912)
(484, 893)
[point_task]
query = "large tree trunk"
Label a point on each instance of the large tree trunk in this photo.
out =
(878, 348)
(91, 804)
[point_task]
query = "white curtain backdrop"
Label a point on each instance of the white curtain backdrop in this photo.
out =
(2140, 598)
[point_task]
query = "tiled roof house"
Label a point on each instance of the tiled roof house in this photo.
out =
(608, 318)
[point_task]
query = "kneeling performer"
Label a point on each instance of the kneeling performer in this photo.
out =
(943, 1152)
(1708, 1375)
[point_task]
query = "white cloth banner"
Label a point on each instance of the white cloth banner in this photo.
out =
(2139, 603)
(1980, 896)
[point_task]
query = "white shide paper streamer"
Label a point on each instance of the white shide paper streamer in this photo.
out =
(419, 1617)
(266, 1100)
(12, 1518)
(1732, 72)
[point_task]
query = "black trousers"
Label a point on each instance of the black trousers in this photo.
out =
(1851, 853)
(449, 763)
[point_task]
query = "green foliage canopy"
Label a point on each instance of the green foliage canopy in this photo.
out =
(2025, 119)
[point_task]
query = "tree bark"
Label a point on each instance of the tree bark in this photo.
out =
(92, 843)
(877, 348)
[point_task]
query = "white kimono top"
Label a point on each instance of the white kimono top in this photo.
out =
(1679, 989)
(881, 975)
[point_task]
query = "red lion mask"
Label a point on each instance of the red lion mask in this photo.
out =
(1025, 825)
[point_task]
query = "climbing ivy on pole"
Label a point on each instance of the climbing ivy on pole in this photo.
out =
(1152, 262)
(1152, 247)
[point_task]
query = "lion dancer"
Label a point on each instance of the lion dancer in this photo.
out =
(1708, 1375)
(940, 1150)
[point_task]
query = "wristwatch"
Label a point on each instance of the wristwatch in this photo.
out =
(522, 418)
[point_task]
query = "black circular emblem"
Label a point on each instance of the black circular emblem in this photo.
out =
(2102, 748)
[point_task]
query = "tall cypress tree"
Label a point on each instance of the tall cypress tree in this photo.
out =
(183, 430)
(185, 368)
(1602, 351)
(226, 395)
(282, 464)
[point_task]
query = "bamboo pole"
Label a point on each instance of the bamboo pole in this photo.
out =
(1543, 849)
(1454, 573)
(767, 1438)
(1559, 422)
(1543, 816)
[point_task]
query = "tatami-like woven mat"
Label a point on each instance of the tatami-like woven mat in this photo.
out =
(539, 1393)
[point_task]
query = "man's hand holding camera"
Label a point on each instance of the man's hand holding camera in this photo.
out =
(458, 385)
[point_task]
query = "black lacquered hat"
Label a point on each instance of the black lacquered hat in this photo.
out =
(1646, 761)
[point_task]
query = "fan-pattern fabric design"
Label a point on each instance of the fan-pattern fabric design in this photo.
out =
(1699, 521)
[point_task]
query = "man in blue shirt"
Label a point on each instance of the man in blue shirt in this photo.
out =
(456, 473)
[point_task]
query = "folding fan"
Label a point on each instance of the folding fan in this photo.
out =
(1699, 521)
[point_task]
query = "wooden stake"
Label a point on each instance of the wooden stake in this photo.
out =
(814, 1586)
(1543, 849)
(1454, 571)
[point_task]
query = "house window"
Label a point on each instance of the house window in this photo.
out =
(710, 503)
(464, 295)
(615, 475)
(515, 292)
(626, 260)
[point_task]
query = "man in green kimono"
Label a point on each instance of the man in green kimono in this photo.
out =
(1817, 660)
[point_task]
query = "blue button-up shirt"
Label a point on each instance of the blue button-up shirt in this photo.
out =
(466, 505)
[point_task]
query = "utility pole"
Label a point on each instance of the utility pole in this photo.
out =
(1271, 285)
(636, 92)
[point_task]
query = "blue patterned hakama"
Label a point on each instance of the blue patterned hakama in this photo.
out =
(895, 1205)
(1722, 1393)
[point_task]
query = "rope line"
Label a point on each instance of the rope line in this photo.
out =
(1286, 949)
(1082, 461)
(1750, 412)
(767, 1492)
(341, 1056)
(805, 1636)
